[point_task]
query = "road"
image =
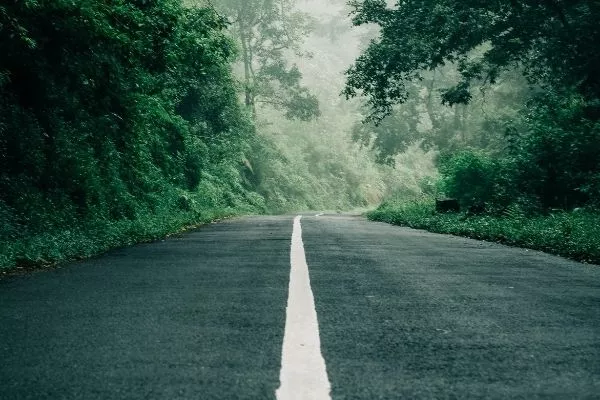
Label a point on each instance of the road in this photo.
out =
(402, 314)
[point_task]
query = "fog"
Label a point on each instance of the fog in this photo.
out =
(321, 166)
(319, 149)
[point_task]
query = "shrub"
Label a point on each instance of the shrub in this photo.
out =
(571, 234)
(557, 158)
(474, 177)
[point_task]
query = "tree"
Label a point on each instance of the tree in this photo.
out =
(266, 30)
(555, 41)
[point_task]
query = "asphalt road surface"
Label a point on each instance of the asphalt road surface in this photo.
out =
(402, 314)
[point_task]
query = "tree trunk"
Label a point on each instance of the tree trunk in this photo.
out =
(247, 60)
(435, 123)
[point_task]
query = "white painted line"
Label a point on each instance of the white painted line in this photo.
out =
(303, 373)
(319, 215)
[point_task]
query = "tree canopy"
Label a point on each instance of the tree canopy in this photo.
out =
(555, 41)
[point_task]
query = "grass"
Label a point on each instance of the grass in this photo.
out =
(94, 238)
(575, 235)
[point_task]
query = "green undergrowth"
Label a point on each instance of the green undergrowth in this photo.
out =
(93, 238)
(574, 235)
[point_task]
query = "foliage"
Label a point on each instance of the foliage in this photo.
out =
(116, 115)
(423, 119)
(267, 31)
(555, 41)
(312, 176)
(553, 163)
(47, 249)
(557, 156)
(301, 165)
(535, 148)
(570, 234)
(475, 178)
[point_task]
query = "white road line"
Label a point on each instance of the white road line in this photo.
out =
(303, 374)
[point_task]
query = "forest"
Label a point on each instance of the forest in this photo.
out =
(126, 121)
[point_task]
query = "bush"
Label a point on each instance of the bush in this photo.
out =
(557, 158)
(474, 177)
(574, 235)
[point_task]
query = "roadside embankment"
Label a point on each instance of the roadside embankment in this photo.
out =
(574, 235)
(46, 250)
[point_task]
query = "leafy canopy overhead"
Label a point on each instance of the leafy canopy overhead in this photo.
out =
(554, 41)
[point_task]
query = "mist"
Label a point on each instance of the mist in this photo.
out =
(319, 165)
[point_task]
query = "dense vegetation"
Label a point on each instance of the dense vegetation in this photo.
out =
(508, 93)
(130, 120)
(118, 123)
(573, 235)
